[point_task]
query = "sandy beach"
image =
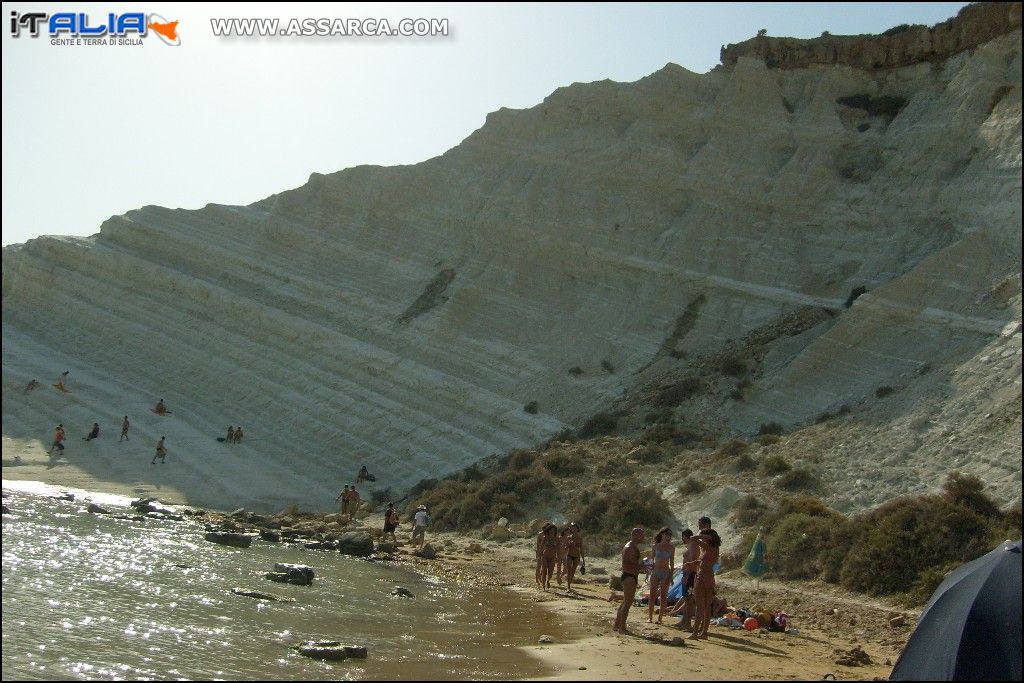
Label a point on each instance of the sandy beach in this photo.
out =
(831, 622)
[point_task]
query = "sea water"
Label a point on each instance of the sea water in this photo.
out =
(94, 596)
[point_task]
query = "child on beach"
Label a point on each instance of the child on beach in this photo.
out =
(124, 429)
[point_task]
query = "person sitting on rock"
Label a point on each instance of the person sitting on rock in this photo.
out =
(31, 385)
(364, 475)
(160, 408)
(94, 433)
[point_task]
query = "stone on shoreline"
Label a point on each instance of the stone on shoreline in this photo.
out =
(96, 509)
(356, 543)
(7, 510)
(427, 552)
(229, 538)
(270, 536)
(400, 592)
(321, 545)
(545, 639)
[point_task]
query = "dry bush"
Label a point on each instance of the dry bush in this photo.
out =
(797, 479)
(599, 425)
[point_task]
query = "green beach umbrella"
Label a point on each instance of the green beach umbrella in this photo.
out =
(755, 565)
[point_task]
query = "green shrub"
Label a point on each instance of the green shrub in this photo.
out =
(613, 512)
(382, 495)
(747, 511)
(774, 464)
(925, 584)
(520, 459)
(902, 538)
(772, 428)
(733, 366)
(797, 479)
(677, 392)
(505, 482)
(614, 467)
(882, 392)
(598, 425)
(969, 491)
(531, 407)
(564, 464)
(576, 370)
(795, 545)
(652, 454)
(744, 462)
(472, 473)
(767, 439)
(608, 367)
(534, 483)
(732, 448)
(660, 433)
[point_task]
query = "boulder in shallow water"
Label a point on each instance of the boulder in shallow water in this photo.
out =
(358, 543)
(270, 536)
(330, 650)
(64, 496)
(261, 595)
(96, 509)
(298, 574)
(322, 545)
(427, 552)
(229, 538)
(400, 592)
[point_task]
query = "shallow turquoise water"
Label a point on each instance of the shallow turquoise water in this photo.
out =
(97, 597)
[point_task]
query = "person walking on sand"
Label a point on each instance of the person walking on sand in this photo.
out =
(353, 497)
(161, 452)
(160, 408)
(238, 434)
(710, 544)
(390, 522)
(58, 439)
(661, 574)
(94, 433)
(574, 557)
(124, 429)
(631, 569)
(343, 497)
(31, 385)
(538, 552)
(419, 526)
(230, 438)
(560, 560)
(549, 553)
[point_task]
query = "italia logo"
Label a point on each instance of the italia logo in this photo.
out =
(63, 26)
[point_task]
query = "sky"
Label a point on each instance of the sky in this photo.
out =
(92, 131)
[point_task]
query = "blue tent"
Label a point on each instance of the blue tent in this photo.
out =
(970, 629)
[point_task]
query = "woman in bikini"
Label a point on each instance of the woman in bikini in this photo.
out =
(549, 553)
(710, 544)
(661, 574)
(573, 553)
(560, 566)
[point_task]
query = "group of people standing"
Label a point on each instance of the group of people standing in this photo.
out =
(700, 559)
(349, 498)
(234, 434)
(559, 552)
